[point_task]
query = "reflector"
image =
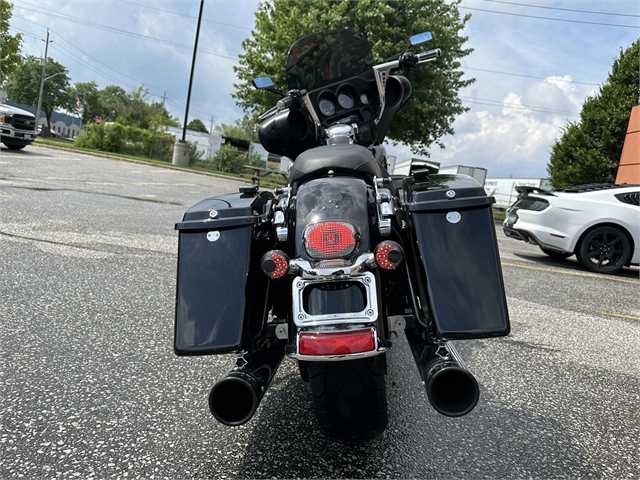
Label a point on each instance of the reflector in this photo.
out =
(337, 343)
(388, 255)
(328, 240)
(275, 264)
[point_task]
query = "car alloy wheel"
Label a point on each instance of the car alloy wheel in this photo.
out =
(604, 250)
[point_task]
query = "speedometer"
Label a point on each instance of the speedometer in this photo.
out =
(327, 108)
(345, 100)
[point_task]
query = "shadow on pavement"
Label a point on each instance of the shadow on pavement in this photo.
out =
(572, 264)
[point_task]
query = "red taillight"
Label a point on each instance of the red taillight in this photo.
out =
(275, 264)
(388, 255)
(337, 343)
(328, 240)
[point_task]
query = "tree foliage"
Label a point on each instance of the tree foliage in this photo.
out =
(136, 110)
(197, 126)
(244, 128)
(387, 25)
(9, 44)
(230, 159)
(127, 139)
(110, 98)
(23, 86)
(88, 95)
(589, 150)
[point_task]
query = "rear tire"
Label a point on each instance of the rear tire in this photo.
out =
(350, 397)
(604, 250)
(554, 254)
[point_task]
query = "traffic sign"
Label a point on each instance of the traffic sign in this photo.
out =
(98, 120)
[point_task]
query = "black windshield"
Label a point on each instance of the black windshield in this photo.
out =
(323, 58)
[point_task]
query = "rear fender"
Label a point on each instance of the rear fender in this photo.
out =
(336, 198)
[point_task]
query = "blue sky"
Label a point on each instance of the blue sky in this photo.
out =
(532, 74)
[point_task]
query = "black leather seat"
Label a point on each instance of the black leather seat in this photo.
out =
(339, 158)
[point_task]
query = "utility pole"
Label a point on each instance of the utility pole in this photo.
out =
(181, 147)
(211, 127)
(44, 66)
(164, 97)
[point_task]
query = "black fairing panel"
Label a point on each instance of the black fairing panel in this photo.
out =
(215, 270)
(459, 260)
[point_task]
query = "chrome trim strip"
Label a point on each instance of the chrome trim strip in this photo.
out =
(304, 269)
(368, 315)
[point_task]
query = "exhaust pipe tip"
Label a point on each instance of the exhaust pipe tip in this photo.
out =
(234, 399)
(452, 390)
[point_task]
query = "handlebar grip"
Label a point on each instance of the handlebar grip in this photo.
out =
(429, 56)
(286, 102)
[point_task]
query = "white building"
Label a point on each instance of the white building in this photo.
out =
(504, 189)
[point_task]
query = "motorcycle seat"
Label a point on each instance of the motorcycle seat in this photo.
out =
(339, 158)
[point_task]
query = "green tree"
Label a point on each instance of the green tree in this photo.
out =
(387, 25)
(23, 85)
(244, 128)
(135, 110)
(111, 98)
(589, 150)
(197, 126)
(9, 45)
(88, 95)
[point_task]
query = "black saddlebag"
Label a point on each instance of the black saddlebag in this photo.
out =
(221, 294)
(455, 249)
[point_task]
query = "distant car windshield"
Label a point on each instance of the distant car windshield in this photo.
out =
(326, 57)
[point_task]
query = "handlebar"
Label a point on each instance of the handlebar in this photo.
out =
(429, 56)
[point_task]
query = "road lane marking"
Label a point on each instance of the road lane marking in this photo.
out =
(620, 315)
(577, 274)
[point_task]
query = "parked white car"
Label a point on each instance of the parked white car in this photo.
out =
(599, 223)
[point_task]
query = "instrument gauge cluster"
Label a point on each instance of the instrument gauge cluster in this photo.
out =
(327, 107)
(351, 101)
(345, 100)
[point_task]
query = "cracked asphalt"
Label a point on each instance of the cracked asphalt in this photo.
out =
(90, 386)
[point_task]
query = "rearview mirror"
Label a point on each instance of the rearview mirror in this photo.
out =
(420, 38)
(262, 82)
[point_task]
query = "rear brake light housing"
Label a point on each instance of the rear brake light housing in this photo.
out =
(330, 240)
(337, 343)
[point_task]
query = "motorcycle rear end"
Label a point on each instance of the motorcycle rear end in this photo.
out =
(329, 268)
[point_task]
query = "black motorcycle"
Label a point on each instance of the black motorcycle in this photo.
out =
(329, 268)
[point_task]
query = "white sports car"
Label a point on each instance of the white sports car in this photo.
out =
(599, 223)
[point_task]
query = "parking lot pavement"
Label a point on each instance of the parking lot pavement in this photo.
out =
(91, 387)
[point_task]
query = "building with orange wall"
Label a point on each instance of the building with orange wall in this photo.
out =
(629, 168)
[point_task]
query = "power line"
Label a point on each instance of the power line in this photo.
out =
(61, 50)
(100, 26)
(550, 18)
(518, 106)
(528, 76)
(183, 15)
(564, 9)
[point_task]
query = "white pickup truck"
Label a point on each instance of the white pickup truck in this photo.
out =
(17, 127)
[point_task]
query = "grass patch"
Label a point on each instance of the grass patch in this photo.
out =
(199, 166)
(499, 214)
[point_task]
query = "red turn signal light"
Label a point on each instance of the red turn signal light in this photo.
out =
(337, 343)
(388, 255)
(275, 264)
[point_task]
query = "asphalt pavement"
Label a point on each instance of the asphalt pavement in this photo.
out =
(91, 387)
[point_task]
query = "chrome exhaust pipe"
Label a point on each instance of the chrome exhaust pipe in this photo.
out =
(234, 399)
(452, 390)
